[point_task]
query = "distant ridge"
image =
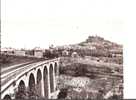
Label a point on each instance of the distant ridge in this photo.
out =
(92, 42)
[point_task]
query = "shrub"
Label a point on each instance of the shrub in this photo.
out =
(5, 59)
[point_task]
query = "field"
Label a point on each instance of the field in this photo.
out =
(88, 78)
(9, 60)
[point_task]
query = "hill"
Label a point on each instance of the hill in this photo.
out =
(94, 46)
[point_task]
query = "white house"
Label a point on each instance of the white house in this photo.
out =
(38, 53)
(74, 54)
(19, 52)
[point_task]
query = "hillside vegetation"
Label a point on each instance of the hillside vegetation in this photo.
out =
(95, 72)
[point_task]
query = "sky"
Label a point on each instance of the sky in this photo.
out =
(40, 23)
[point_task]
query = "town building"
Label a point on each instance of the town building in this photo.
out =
(38, 53)
(19, 52)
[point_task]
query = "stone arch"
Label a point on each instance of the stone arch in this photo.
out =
(31, 85)
(45, 78)
(7, 97)
(51, 78)
(39, 84)
(21, 93)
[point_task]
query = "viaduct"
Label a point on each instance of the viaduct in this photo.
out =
(36, 80)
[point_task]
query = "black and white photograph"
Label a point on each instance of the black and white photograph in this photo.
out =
(63, 49)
